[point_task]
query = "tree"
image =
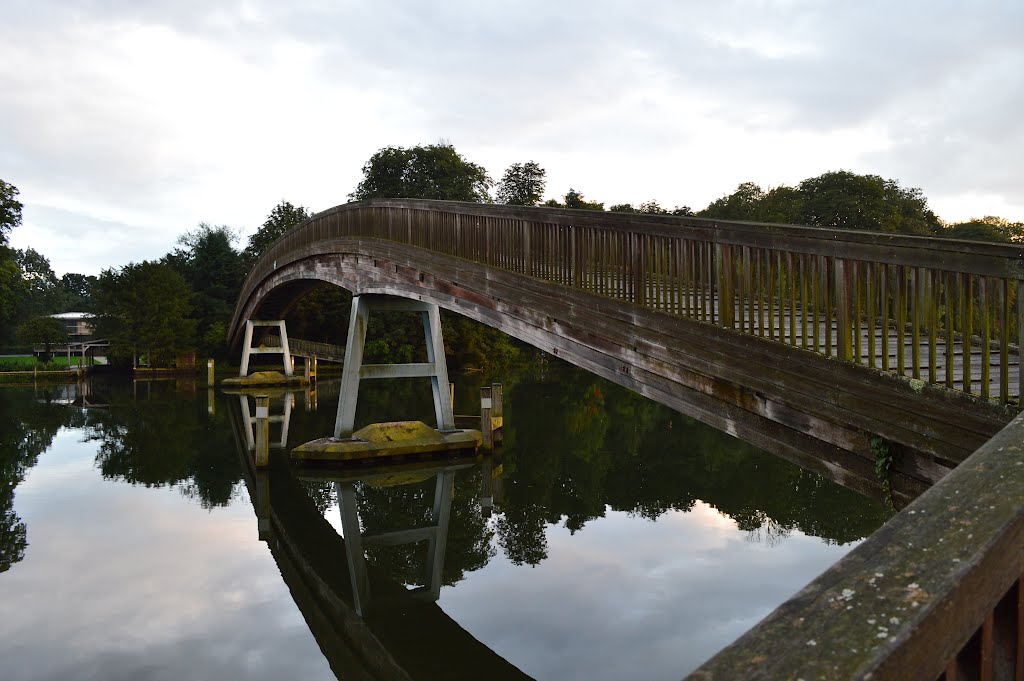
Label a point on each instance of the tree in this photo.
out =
(11, 284)
(574, 199)
(42, 288)
(214, 270)
(45, 331)
(651, 208)
(522, 185)
(12, 291)
(988, 228)
(10, 210)
(145, 307)
(77, 289)
(844, 200)
(434, 171)
(742, 204)
(283, 217)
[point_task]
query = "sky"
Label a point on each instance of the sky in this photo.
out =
(126, 123)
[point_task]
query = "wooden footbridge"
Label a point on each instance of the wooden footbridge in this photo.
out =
(831, 348)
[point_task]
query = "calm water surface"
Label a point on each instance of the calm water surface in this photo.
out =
(610, 539)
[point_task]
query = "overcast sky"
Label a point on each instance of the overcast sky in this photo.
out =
(125, 123)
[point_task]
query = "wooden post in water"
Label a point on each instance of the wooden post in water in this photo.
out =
(486, 425)
(497, 413)
(261, 427)
(209, 372)
(262, 504)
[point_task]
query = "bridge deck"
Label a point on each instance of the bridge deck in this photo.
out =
(877, 348)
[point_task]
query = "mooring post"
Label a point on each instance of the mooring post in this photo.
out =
(262, 428)
(262, 504)
(486, 486)
(209, 372)
(497, 413)
(486, 425)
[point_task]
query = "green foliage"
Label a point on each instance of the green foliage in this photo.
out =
(10, 210)
(42, 290)
(885, 456)
(750, 202)
(472, 345)
(434, 171)
(214, 270)
(27, 428)
(77, 289)
(574, 199)
(12, 291)
(166, 441)
(579, 445)
(145, 307)
(651, 207)
(283, 217)
(522, 185)
(845, 200)
(988, 228)
(838, 200)
(45, 331)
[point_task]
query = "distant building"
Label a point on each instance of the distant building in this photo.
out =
(82, 341)
(78, 325)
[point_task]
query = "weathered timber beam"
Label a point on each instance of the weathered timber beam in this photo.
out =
(906, 601)
(415, 370)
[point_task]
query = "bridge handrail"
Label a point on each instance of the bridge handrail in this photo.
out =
(931, 292)
(938, 589)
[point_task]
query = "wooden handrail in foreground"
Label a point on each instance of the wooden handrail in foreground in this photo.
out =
(892, 302)
(936, 593)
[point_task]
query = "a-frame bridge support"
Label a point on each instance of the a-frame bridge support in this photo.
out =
(248, 350)
(400, 438)
(354, 371)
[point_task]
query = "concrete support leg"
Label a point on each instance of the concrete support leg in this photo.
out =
(439, 381)
(353, 545)
(248, 350)
(243, 368)
(345, 421)
(440, 516)
(436, 367)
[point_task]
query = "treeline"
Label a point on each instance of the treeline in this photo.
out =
(184, 300)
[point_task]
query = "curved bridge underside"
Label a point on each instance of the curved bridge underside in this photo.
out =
(821, 413)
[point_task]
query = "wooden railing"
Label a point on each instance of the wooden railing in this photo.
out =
(304, 348)
(939, 310)
(936, 593)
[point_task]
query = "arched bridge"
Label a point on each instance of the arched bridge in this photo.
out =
(831, 348)
(807, 341)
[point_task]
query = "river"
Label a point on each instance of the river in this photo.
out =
(609, 538)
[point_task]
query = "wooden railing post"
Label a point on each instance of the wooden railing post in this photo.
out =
(844, 349)
(527, 256)
(726, 312)
(636, 264)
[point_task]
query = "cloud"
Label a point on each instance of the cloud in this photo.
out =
(164, 114)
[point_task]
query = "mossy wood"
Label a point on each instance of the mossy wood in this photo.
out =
(397, 438)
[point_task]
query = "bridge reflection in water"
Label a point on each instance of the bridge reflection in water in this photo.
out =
(368, 625)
